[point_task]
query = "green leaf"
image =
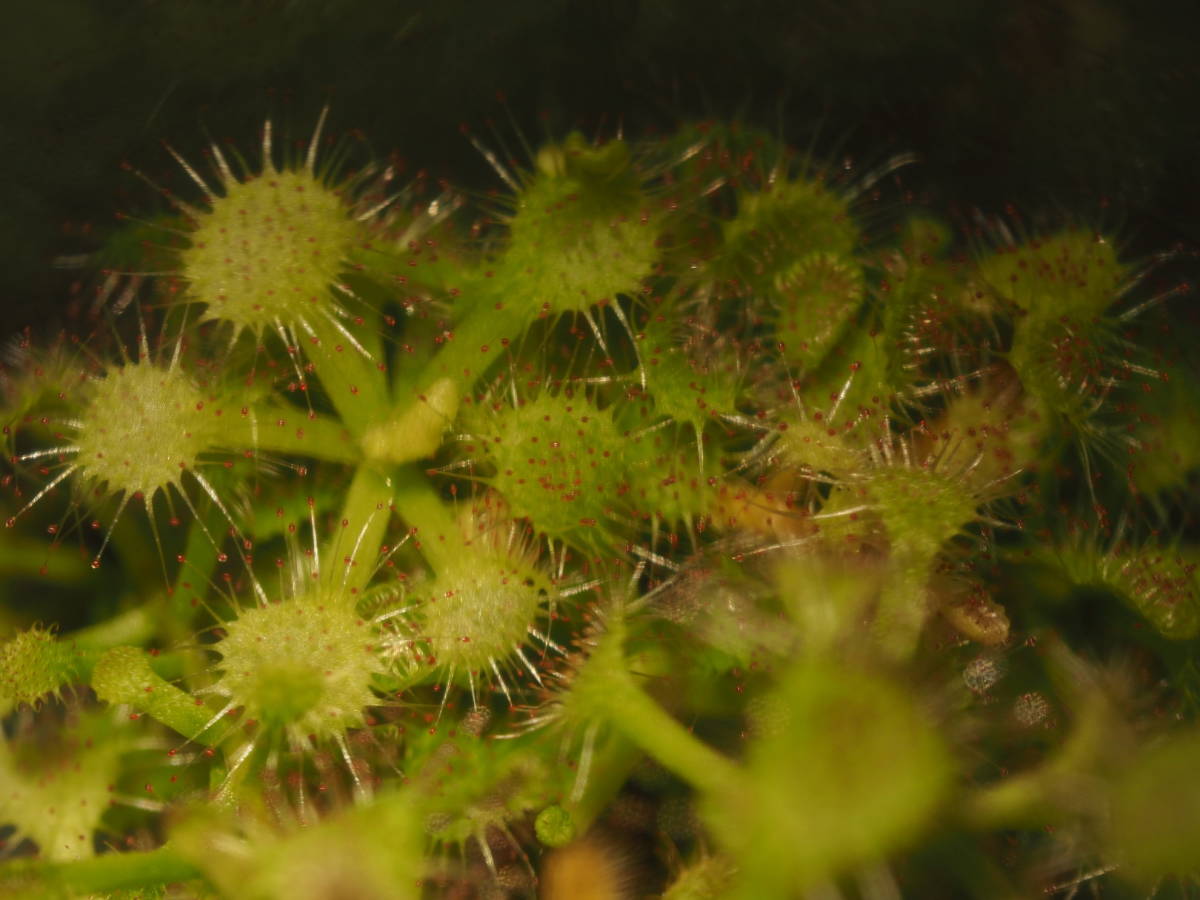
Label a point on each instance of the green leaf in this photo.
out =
(852, 773)
(1156, 811)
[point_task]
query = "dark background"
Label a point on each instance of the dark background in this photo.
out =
(1078, 109)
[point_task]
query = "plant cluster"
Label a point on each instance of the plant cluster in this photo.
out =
(686, 516)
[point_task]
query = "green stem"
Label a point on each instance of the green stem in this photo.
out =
(192, 577)
(604, 689)
(1020, 801)
(279, 429)
(100, 874)
(463, 358)
(610, 768)
(355, 383)
(903, 603)
(415, 429)
(413, 358)
(648, 725)
(123, 675)
(351, 553)
(1052, 791)
(429, 517)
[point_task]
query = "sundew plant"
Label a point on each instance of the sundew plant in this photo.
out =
(686, 517)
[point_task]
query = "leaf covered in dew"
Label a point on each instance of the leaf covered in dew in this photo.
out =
(774, 228)
(56, 791)
(684, 383)
(142, 426)
(584, 229)
(270, 249)
(1073, 273)
(33, 666)
(305, 663)
(559, 461)
(1158, 581)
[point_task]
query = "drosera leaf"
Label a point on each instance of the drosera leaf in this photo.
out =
(1155, 825)
(583, 229)
(815, 299)
(785, 222)
(55, 791)
(852, 774)
(142, 427)
(1158, 580)
(269, 253)
(689, 379)
(1073, 274)
(369, 851)
(554, 827)
(304, 664)
(34, 665)
(561, 462)
(267, 248)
